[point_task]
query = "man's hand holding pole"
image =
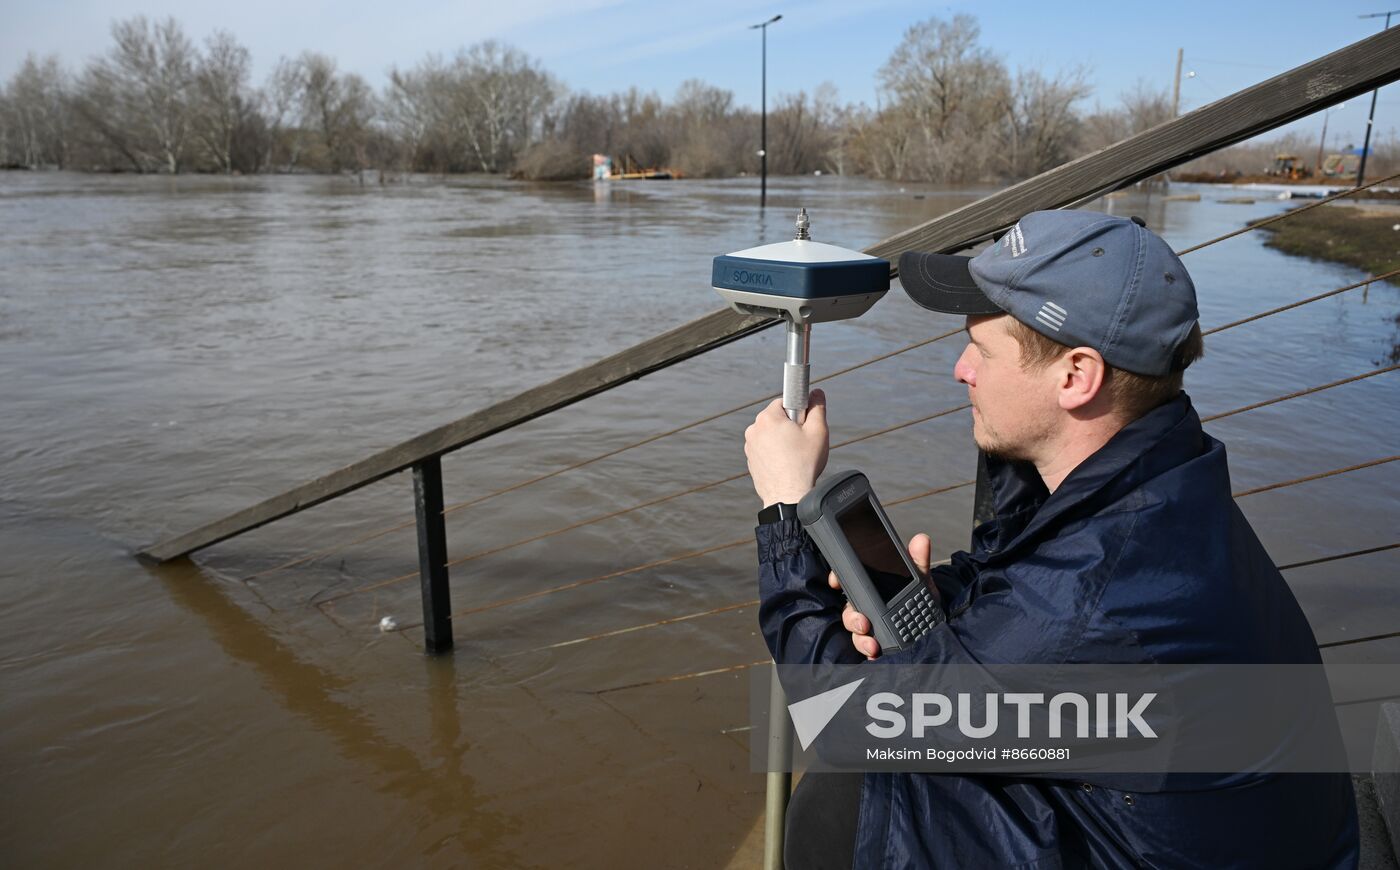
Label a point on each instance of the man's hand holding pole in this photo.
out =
(786, 458)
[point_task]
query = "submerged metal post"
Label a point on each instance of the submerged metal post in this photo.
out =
(432, 555)
(779, 775)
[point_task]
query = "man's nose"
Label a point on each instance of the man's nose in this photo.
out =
(964, 372)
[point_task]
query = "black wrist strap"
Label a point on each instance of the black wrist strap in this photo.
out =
(777, 512)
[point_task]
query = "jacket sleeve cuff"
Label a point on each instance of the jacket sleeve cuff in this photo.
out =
(799, 614)
(779, 540)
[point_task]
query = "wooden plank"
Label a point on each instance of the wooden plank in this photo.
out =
(1339, 76)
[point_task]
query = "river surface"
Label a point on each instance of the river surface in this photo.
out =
(172, 350)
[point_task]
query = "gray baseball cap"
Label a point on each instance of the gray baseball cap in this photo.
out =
(1082, 278)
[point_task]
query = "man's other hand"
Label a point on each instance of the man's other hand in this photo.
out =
(785, 458)
(862, 637)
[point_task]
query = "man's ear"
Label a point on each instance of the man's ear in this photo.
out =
(1079, 376)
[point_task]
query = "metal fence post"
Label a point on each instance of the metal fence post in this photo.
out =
(432, 555)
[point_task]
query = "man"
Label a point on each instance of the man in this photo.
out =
(1115, 540)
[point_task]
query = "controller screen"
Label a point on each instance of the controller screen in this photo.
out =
(877, 551)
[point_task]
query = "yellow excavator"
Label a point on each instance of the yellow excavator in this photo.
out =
(1288, 166)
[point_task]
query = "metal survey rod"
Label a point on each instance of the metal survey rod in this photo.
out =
(802, 282)
(797, 370)
(779, 775)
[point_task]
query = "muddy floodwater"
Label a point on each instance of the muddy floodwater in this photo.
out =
(172, 350)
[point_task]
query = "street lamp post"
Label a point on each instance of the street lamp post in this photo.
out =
(763, 122)
(1366, 145)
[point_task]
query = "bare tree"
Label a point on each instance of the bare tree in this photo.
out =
(641, 127)
(846, 122)
(138, 96)
(222, 105)
(802, 131)
(8, 135)
(338, 107)
(277, 105)
(953, 91)
(426, 106)
(882, 144)
(708, 137)
(1139, 109)
(1041, 127)
(111, 137)
(501, 95)
(409, 108)
(35, 116)
(1146, 107)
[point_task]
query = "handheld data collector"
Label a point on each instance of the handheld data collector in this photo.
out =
(852, 531)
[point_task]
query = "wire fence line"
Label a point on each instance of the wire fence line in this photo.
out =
(1309, 391)
(1319, 476)
(403, 578)
(372, 535)
(695, 554)
(1301, 302)
(753, 602)
(711, 418)
(742, 666)
(745, 665)
(745, 540)
(407, 576)
(1366, 552)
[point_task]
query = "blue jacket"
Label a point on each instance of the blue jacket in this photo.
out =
(1140, 556)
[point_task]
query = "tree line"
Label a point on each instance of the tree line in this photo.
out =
(948, 110)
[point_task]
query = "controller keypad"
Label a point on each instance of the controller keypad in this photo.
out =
(916, 615)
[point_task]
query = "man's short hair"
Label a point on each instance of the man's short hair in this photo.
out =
(1131, 394)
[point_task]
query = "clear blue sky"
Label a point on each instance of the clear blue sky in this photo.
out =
(606, 45)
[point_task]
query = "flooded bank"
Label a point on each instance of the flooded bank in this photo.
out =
(1363, 234)
(176, 349)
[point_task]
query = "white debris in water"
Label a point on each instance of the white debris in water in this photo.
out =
(388, 623)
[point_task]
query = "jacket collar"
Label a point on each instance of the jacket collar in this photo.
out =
(1161, 439)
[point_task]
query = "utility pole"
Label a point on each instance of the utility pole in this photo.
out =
(1176, 88)
(1370, 119)
(1165, 178)
(1322, 146)
(763, 122)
